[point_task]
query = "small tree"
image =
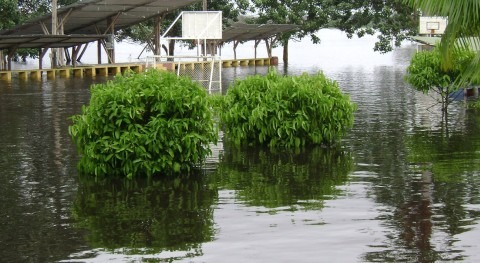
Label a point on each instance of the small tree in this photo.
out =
(144, 124)
(427, 74)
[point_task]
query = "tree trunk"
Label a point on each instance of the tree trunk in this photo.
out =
(285, 52)
(268, 45)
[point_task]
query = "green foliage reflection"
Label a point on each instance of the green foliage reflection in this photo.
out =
(447, 157)
(149, 216)
(278, 179)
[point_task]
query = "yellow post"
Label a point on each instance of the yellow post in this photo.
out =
(78, 72)
(6, 75)
(64, 72)
(102, 71)
(36, 74)
(50, 73)
(23, 75)
(90, 71)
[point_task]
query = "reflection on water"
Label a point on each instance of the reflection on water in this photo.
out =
(145, 217)
(397, 189)
(37, 170)
(283, 179)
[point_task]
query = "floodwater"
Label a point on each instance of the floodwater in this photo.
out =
(402, 186)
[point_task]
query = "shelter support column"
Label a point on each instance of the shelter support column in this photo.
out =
(235, 44)
(268, 45)
(2, 60)
(42, 54)
(257, 42)
(99, 51)
(40, 58)
(75, 52)
(11, 52)
(110, 47)
(156, 41)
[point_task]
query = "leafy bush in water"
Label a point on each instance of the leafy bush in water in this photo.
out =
(286, 111)
(143, 124)
(426, 72)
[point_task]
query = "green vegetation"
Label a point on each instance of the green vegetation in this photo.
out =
(462, 32)
(144, 124)
(286, 111)
(143, 216)
(284, 180)
(450, 157)
(426, 73)
(392, 19)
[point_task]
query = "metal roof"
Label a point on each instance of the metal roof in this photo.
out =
(431, 41)
(244, 32)
(474, 43)
(84, 17)
(46, 41)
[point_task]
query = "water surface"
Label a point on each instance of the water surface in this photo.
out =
(401, 187)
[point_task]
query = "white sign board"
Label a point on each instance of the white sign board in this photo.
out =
(432, 25)
(202, 25)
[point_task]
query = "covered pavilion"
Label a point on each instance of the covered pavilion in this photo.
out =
(88, 21)
(242, 32)
(85, 22)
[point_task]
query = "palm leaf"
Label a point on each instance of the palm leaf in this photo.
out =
(463, 30)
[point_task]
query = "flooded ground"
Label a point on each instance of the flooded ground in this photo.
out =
(401, 187)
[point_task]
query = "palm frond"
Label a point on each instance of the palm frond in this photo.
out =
(463, 30)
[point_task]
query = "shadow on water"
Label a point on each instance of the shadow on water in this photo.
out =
(145, 217)
(283, 180)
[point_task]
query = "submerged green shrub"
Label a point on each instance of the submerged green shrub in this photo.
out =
(286, 111)
(426, 73)
(143, 124)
